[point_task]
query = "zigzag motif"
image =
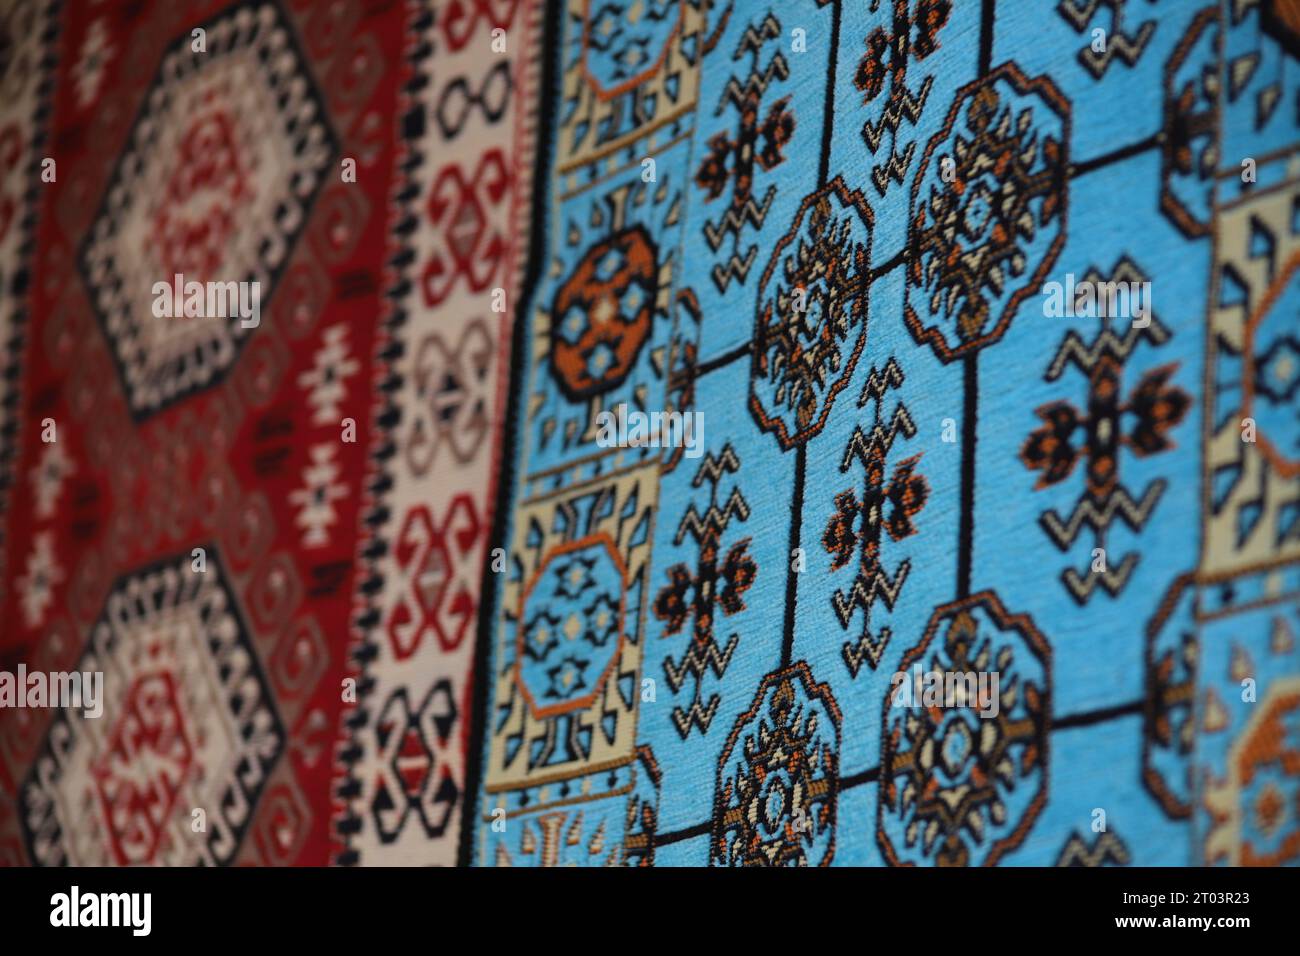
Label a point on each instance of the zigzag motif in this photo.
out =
(734, 268)
(714, 519)
(1119, 45)
(1107, 848)
(740, 94)
(1135, 514)
(1082, 586)
(860, 444)
(895, 167)
(864, 592)
(1107, 342)
(695, 715)
(867, 649)
(1079, 13)
(902, 105)
(733, 220)
(715, 466)
(744, 96)
(752, 40)
(879, 381)
(697, 660)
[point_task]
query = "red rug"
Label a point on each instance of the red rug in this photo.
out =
(204, 509)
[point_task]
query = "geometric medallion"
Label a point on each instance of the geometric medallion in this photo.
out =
(214, 185)
(621, 51)
(988, 211)
(778, 778)
(1255, 809)
(188, 724)
(572, 627)
(962, 780)
(1271, 366)
(812, 314)
(604, 313)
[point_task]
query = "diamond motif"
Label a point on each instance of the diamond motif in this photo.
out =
(188, 722)
(210, 190)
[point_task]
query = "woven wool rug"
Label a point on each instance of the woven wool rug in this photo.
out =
(650, 432)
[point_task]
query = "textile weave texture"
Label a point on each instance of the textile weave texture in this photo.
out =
(964, 524)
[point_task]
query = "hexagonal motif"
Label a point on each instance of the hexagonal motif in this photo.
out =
(571, 626)
(963, 780)
(603, 314)
(623, 45)
(188, 722)
(812, 314)
(988, 210)
(778, 777)
(184, 200)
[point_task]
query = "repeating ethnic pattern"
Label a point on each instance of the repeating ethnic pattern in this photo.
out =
(827, 228)
(922, 473)
(174, 642)
(184, 494)
(207, 220)
(441, 366)
(1068, 436)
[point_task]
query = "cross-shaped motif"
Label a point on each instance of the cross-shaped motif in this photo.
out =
(696, 593)
(1109, 423)
(756, 144)
(915, 36)
(1095, 434)
(884, 508)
